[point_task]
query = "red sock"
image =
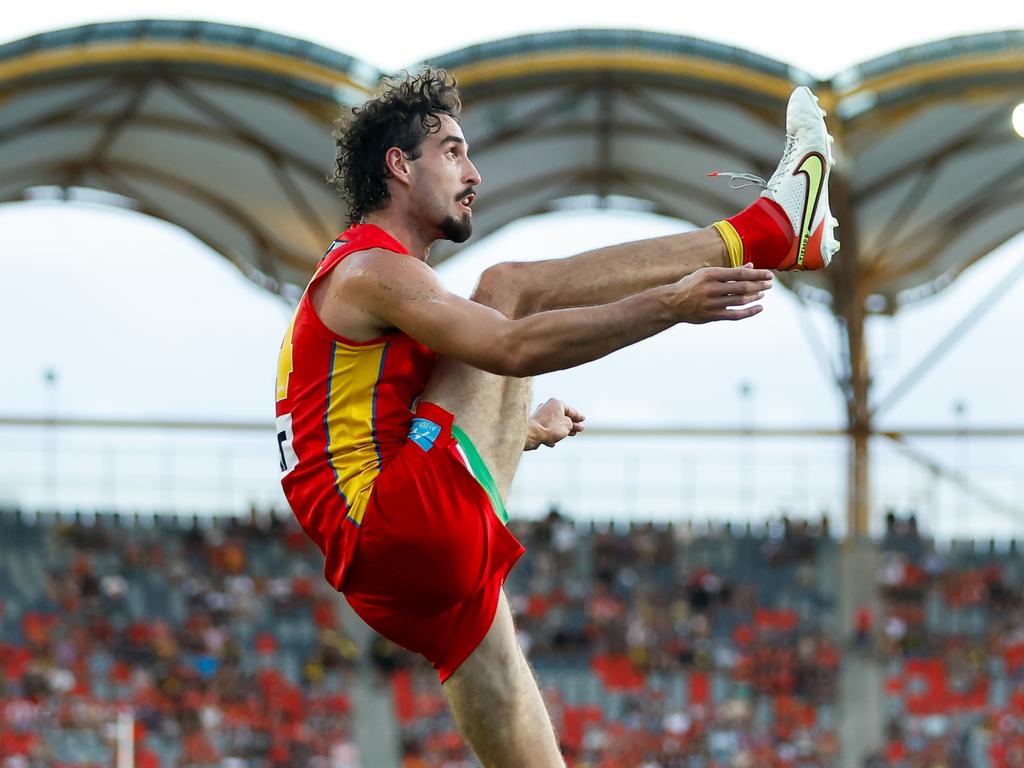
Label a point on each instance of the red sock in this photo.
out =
(766, 232)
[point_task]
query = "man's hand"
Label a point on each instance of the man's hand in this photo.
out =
(717, 293)
(552, 422)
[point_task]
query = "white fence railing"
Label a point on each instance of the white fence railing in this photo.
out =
(738, 478)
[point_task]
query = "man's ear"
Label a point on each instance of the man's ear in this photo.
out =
(398, 164)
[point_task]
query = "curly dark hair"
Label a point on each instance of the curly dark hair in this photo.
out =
(405, 111)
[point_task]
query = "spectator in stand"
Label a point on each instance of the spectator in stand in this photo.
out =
(863, 631)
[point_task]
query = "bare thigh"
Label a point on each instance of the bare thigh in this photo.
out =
(492, 410)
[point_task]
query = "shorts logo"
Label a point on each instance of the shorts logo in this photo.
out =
(424, 432)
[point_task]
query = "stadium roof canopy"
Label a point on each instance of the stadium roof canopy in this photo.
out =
(222, 130)
(225, 131)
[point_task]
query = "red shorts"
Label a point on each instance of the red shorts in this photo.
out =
(432, 553)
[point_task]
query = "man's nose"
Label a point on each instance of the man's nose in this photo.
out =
(472, 175)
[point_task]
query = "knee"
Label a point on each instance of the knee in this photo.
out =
(509, 288)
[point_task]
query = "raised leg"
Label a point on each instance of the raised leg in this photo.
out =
(493, 410)
(608, 274)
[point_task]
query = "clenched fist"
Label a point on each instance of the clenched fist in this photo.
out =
(552, 422)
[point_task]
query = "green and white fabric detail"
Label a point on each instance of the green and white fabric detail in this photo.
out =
(475, 463)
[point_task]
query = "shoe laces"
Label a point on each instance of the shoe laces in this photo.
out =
(787, 154)
(741, 180)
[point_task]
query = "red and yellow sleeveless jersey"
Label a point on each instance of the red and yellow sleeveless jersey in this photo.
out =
(343, 410)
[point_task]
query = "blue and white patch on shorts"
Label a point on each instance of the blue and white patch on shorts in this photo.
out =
(424, 432)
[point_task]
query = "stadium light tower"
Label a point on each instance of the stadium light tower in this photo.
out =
(746, 464)
(50, 379)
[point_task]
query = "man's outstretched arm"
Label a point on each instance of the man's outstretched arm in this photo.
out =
(394, 291)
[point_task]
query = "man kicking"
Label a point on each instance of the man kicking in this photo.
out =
(403, 410)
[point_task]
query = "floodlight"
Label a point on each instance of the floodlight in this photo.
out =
(1018, 119)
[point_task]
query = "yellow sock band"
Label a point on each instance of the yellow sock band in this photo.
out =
(733, 243)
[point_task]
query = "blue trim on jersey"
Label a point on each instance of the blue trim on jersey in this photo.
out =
(373, 406)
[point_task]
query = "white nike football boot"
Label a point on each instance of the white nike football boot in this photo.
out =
(799, 185)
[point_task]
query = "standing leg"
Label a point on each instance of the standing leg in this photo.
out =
(496, 701)
(494, 695)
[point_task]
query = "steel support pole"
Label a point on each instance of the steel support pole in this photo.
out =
(850, 289)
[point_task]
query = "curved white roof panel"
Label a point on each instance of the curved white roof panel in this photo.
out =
(225, 131)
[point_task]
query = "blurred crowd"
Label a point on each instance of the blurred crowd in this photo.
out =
(177, 627)
(657, 646)
(951, 636)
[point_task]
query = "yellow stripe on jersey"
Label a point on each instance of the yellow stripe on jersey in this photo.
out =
(284, 358)
(355, 371)
(284, 361)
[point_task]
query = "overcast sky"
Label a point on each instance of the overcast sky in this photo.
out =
(140, 320)
(821, 38)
